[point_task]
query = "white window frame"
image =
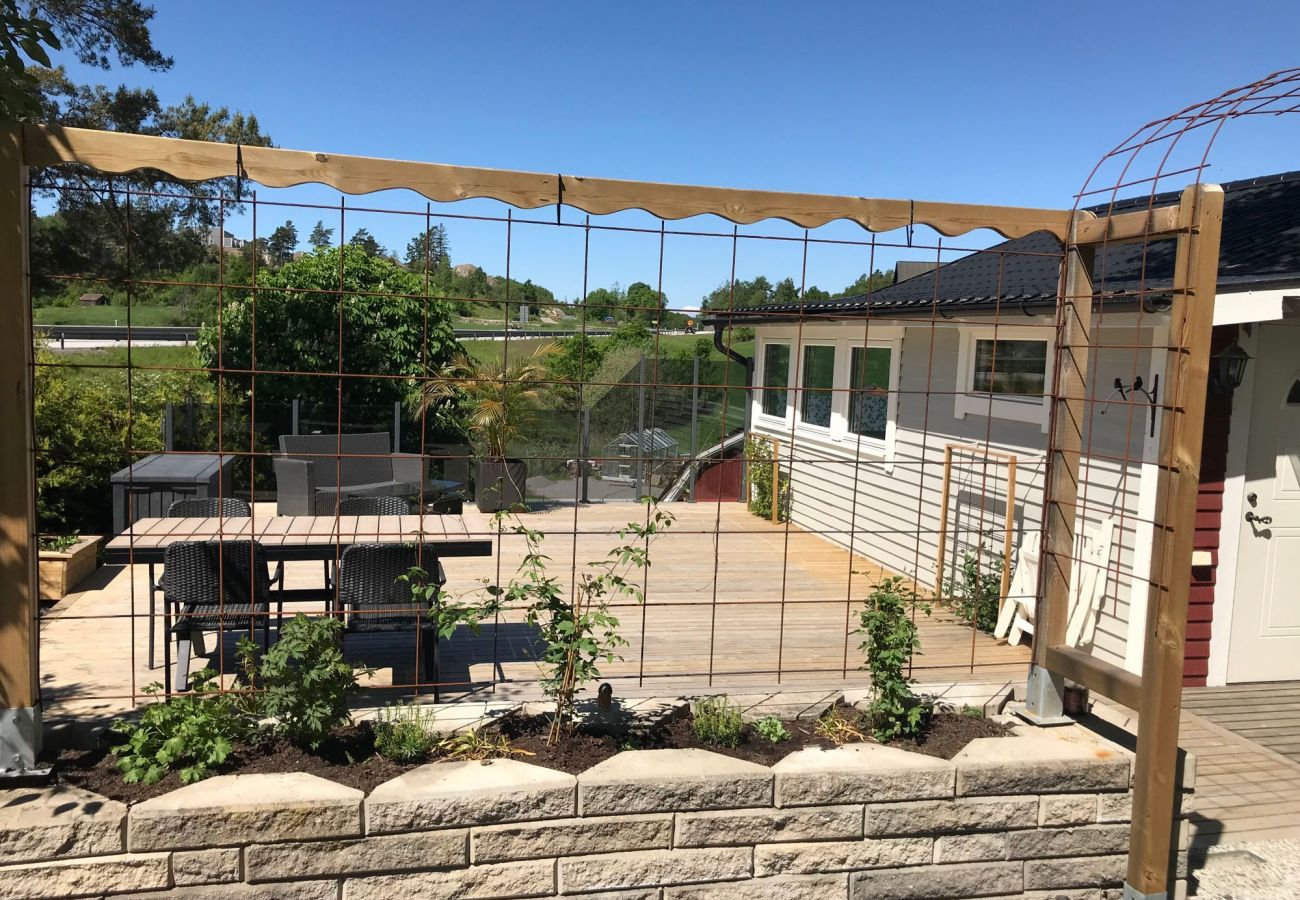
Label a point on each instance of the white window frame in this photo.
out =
(968, 402)
(844, 368)
(760, 375)
(827, 432)
(837, 435)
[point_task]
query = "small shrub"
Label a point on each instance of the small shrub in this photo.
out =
(716, 720)
(474, 744)
(840, 726)
(758, 454)
(404, 732)
(307, 681)
(972, 712)
(771, 729)
(56, 543)
(976, 596)
(190, 732)
(890, 640)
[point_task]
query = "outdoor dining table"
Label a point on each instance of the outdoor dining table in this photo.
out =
(291, 539)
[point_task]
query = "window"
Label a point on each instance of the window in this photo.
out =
(1005, 373)
(776, 379)
(869, 371)
(1018, 368)
(818, 395)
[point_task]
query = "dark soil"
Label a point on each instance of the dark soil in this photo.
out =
(349, 757)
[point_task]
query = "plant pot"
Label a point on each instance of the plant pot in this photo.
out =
(61, 571)
(499, 484)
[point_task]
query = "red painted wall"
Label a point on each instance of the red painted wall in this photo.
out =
(1209, 515)
(720, 481)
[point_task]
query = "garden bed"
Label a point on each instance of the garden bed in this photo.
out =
(349, 756)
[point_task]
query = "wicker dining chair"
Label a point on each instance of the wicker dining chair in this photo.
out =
(375, 600)
(192, 508)
(213, 586)
(374, 506)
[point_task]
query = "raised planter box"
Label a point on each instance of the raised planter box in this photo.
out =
(1027, 816)
(62, 571)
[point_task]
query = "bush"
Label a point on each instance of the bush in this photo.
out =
(890, 640)
(771, 729)
(716, 720)
(976, 597)
(758, 454)
(404, 733)
(190, 732)
(307, 681)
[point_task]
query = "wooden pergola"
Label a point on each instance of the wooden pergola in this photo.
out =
(1194, 224)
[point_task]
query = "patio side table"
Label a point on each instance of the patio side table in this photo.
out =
(145, 489)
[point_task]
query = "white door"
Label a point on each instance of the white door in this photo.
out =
(1265, 639)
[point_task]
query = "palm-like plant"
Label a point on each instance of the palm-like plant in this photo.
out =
(501, 398)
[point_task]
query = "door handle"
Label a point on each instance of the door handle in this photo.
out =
(1259, 520)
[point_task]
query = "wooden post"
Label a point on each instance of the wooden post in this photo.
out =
(20, 716)
(1009, 528)
(1200, 215)
(1073, 339)
(943, 523)
(776, 480)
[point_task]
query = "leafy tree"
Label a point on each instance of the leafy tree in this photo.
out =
(282, 243)
(785, 292)
(321, 237)
(603, 302)
(866, 284)
(91, 29)
(576, 361)
(366, 241)
(429, 248)
(643, 302)
(383, 332)
(740, 294)
(633, 333)
(815, 294)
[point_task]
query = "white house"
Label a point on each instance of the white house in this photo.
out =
(865, 393)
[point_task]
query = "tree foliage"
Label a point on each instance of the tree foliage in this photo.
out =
(384, 331)
(282, 242)
(321, 237)
(366, 241)
(889, 641)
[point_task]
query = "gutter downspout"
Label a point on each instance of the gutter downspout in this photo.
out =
(748, 363)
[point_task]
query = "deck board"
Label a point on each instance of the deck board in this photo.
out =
(731, 600)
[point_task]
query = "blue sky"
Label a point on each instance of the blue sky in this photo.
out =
(993, 102)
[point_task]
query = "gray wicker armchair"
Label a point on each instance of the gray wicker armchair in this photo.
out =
(213, 586)
(375, 600)
(374, 506)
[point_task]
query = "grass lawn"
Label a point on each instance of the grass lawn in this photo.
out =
(174, 357)
(107, 315)
(669, 344)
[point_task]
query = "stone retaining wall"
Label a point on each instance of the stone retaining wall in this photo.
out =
(1038, 815)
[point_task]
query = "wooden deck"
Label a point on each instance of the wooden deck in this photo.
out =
(732, 600)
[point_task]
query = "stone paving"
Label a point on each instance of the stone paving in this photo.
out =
(1257, 870)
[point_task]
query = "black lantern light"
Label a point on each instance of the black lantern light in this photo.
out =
(1228, 368)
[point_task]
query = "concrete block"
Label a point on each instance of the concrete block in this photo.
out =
(946, 816)
(841, 856)
(924, 882)
(638, 781)
(860, 773)
(229, 810)
(569, 837)
(1059, 810)
(651, 868)
(535, 878)
(447, 794)
(92, 877)
(378, 855)
(193, 867)
(1090, 871)
(956, 848)
(766, 826)
(41, 824)
(1039, 765)
(788, 887)
(1093, 840)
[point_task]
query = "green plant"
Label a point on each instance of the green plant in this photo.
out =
(474, 744)
(975, 597)
(972, 712)
(191, 732)
(404, 732)
(758, 475)
(890, 640)
(499, 399)
(56, 543)
(576, 626)
(840, 726)
(447, 613)
(306, 680)
(716, 720)
(772, 729)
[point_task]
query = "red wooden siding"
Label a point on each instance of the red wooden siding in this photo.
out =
(1209, 518)
(720, 481)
